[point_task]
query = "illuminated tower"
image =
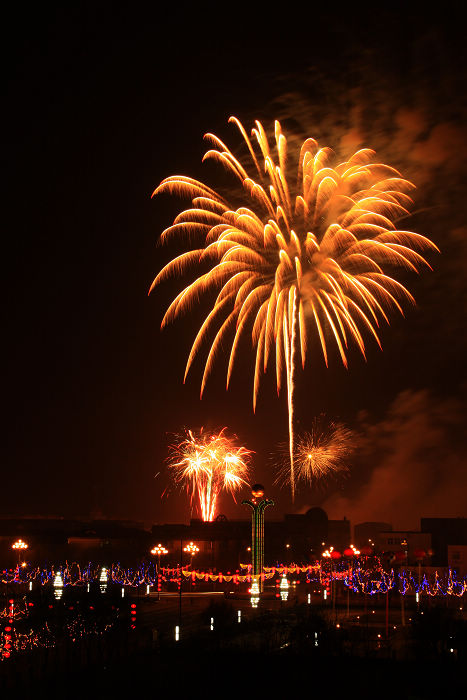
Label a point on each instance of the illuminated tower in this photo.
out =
(258, 505)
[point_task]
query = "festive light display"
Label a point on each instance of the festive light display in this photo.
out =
(284, 588)
(375, 580)
(58, 585)
(302, 258)
(368, 577)
(73, 626)
(103, 578)
(206, 464)
(12, 642)
(255, 591)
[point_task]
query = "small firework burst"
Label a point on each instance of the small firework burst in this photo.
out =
(321, 454)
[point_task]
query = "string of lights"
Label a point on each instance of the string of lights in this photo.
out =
(77, 627)
(376, 580)
(18, 642)
(369, 578)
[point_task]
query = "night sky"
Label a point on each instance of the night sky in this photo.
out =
(102, 103)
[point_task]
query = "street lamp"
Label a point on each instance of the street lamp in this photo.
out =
(332, 554)
(405, 545)
(351, 552)
(327, 555)
(191, 549)
(20, 546)
(158, 550)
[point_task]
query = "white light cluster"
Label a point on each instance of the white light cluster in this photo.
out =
(58, 586)
(254, 591)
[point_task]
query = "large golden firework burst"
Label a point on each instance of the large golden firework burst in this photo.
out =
(306, 257)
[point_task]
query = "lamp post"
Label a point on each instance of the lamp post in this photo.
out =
(20, 546)
(332, 554)
(191, 549)
(327, 555)
(351, 552)
(258, 505)
(158, 550)
(419, 555)
(335, 555)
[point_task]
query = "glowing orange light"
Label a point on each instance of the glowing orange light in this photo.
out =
(159, 550)
(19, 544)
(191, 549)
(207, 463)
(257, 490)
(297, 262)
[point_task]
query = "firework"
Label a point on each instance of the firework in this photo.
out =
(320, 455)
(206, 464)
(306, 257)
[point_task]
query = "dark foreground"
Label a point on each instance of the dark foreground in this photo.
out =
(200, 670)
(294, 649)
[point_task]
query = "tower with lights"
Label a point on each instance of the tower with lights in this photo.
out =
(258, 505)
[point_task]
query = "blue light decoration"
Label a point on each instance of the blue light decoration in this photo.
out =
(368, 577)
(373, 580)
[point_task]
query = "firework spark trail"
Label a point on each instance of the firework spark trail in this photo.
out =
(206, 464)
(318, 253)
(320, 455)
(290, 359)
